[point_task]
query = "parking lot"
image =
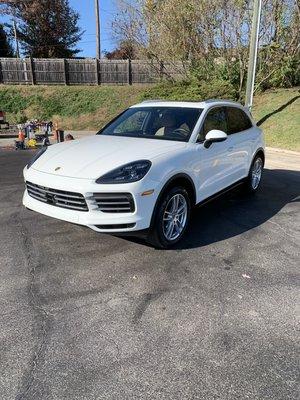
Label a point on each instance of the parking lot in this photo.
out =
(92, 316)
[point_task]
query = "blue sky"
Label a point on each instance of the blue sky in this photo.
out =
(86, 10)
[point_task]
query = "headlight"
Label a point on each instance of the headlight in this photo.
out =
(128, 173)
(36, 156)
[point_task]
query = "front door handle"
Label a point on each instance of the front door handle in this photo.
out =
(230, 148)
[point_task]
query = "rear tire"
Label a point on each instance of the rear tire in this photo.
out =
(253, 180)
(171, 218)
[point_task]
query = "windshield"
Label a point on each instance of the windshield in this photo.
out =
(165, 123)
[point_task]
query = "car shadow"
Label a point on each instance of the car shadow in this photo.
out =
(234, 213)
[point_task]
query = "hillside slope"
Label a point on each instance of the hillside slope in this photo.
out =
(279, 112)
(73, 107)
(89, 108)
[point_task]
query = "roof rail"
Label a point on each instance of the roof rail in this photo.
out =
(189, 101)
(153, 101)
(214, 100)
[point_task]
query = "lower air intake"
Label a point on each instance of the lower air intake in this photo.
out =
(119, 226)
(114, 202)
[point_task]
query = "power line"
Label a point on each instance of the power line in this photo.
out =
(62, 44)
(108, 12)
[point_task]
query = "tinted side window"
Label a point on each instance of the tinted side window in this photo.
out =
(215, 119)
(238, 121)
(132, 124)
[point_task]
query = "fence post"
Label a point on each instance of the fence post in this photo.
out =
(97, 71)
(32, 71)
(65, 71)
(129, 72)
(25, 71)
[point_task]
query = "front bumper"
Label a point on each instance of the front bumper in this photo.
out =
(138, 220)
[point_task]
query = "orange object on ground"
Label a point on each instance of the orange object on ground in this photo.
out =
(21, 136)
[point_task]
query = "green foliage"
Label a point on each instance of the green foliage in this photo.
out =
(216, 70)
(276, 68)
(192, 90)
(11, 100)
(21, 117)
(288, 73)
(80, 107)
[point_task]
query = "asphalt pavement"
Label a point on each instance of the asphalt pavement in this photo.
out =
(92, 316)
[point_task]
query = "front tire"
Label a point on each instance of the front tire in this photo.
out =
(253, 181)
(171, 218)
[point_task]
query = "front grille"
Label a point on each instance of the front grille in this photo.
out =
(114, 202)
(58, 198)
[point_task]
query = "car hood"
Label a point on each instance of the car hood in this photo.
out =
(91, 157)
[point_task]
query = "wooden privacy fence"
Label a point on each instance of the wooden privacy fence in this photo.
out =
(35, 71)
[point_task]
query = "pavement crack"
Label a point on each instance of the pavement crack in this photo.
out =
(33, 264)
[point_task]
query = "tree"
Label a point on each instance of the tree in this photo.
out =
(213, 37)
(6, 49)
(124, 51)
(47, 28)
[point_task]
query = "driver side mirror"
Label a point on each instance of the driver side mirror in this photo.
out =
(214, 136)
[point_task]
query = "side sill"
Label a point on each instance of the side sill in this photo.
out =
(223, 191)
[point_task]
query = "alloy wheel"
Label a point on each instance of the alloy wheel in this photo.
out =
(256, 173)
(175, 217)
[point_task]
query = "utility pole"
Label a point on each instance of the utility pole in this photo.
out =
(98, 43)
(253, 53)
(16, 39)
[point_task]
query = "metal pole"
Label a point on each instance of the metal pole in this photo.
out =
(98, 43)
(253, 53)
(16, 39)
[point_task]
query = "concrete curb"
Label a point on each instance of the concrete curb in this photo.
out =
(7, 148)
(8, 136)
(276, 150)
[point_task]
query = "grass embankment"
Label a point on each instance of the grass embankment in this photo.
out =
(89, 108)
(74, 108)
(279, 110)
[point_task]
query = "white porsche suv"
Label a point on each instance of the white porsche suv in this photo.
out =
(147, 168)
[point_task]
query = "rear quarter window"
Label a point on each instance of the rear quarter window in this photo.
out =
(238, 120)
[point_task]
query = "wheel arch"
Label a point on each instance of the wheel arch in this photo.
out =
(180, 179)
(260, 151)
(184, 180)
